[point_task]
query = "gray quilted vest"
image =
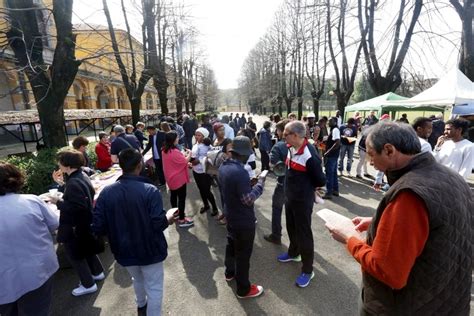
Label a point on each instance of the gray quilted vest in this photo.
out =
(440, 280)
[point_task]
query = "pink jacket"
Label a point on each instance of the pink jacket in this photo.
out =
(175, 168)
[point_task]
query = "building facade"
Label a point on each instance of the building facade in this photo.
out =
(98, 84)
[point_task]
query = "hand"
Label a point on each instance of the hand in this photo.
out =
(341, 234)
(377, 186)
(170, 218)
(362, 223)
(440, 141)
(53, 199)
(58, 177)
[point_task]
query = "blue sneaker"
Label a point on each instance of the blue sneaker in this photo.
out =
(304, 279)
(286, 258)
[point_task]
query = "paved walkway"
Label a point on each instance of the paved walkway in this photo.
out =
(194, 269)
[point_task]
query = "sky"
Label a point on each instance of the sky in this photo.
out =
(229, 29)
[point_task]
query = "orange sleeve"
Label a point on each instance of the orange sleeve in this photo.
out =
(401, 236)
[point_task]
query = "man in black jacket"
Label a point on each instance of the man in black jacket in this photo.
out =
(303, 175)
(139, 133)
(130, 212)
(190, 126)
(156, 142)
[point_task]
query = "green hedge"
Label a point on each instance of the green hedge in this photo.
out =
(39, 167)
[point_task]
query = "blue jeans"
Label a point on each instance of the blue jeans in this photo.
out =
(332, 183)
(349, 149)
(278, 200)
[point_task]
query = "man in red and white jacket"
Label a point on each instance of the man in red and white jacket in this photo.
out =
(303, 175)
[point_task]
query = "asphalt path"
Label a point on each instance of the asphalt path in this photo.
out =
(194, 269)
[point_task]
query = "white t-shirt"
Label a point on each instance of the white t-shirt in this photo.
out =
(249, 168)
(458, 156)
(425, 146)
(336, 134)
(199, 152)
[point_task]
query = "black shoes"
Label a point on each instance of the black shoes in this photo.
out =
(204, 209)
(272, 239)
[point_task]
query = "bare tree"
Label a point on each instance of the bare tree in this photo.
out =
(133, 88)
(345, 76)
(466, 13)
(316, 54)
(50, 83)
(367, 16)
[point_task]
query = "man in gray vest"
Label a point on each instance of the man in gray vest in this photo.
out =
(417, 259)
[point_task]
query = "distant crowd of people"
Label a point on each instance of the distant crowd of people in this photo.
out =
(404, 266)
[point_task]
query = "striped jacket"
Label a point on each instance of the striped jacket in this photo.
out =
(303, 173)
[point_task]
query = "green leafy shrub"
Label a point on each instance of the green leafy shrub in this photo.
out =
(91, 153)
(37, 169)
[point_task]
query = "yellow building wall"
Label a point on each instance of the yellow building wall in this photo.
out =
(98, 83)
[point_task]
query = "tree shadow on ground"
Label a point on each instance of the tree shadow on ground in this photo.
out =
(198, 263)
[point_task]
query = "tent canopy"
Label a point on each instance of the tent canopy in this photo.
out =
(375, 104)
(452, 89)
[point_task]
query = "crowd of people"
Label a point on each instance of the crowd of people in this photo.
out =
(403, 266)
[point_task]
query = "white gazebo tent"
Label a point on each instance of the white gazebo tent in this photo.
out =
(451, 90)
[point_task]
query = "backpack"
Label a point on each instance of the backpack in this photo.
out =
(213, 161)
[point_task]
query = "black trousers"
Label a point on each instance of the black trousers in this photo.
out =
(298, 225)
(86, 267)
(265, 159)
(237, 257)
(178, 199)
(203, 182)
(159, 170)
(33, 303)
(278, 200)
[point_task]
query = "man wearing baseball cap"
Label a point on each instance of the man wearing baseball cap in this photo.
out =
(239, 197)
(312, 129)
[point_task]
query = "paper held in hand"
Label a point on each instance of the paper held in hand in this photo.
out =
(334, 219)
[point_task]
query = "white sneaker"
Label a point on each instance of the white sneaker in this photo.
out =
(99, 277)
(81, 290)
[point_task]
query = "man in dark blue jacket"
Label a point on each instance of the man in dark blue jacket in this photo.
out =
(277, 158)
(156, 143)
(130, 212)
(303, 175)
(239, 198)
(122, 141)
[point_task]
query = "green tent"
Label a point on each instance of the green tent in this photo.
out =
(374, 104)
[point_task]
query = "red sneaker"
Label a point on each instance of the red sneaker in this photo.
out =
(255, 290)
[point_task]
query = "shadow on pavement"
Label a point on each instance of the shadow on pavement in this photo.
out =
(198, 263)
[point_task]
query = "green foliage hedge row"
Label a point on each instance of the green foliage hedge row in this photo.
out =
(39, 167)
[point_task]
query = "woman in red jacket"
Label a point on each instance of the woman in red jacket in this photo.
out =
(102, 149)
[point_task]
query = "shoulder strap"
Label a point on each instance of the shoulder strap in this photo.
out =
(126, 141)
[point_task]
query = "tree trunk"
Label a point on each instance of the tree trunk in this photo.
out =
(50, 87)
(135, 104)
(300, 107)
(161, 87)
(316, 108)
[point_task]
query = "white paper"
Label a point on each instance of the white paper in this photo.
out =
(337, 220)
